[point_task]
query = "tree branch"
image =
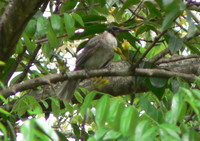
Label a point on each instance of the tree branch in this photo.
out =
(81, 74)
(149, 48)
(159, 56)
(29, 64)
(12, 23)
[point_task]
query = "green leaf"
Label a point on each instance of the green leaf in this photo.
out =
(78, 19)
(112, 135)
(11, 130)
(2, 63)
(69, 24)
(61, 136)
(46, 105)
(19, 47)
(128, 122)
(168, 20)
(158, 82)
(4, 112)
(192, 28)
(35, 128)
(158, 91)
(100, 133)
(55, 105)
(92, 139)
(56, 22)
(3, 129)
(3, 98)
(34, 106)
(6, 69)
(68, 5)
(174, 85)
(173, 4)
(129, 3)
(151, 110)
(46, 51)
(87, 102)
(78, 97)
(31, 28)
(154, 12)
(166, 3)
(143, 28)
(76, 130)
(102, 110)
(175, 44)
(140, 128)
(150, 134)
(53, 41)
(176, 109)
(170, 130)
(192, 48)
(30, 45)
(42, 26)
(27, 103)
(93, 18)
(114, 114)
(192, 101)
(90, 31)
(130, 38)
(196, 92)
(160, 3)
(197, 82)
(27, 130)
(102, 2)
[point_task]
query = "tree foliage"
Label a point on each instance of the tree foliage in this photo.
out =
(149, 92)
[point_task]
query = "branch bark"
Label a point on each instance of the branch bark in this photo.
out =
(12, 23)
(119, 70)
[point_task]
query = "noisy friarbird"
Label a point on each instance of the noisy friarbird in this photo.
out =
(96, 54)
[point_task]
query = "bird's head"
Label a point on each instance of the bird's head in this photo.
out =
(115, 30)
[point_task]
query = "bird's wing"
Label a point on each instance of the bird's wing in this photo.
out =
(89, 49)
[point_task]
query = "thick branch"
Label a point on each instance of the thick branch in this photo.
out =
(14, 66)
(12, 23)
(54, 78)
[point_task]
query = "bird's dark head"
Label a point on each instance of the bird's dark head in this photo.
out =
(115, 30)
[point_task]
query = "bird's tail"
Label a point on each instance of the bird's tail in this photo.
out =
(67, 90)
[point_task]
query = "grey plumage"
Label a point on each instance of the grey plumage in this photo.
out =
(96, 54)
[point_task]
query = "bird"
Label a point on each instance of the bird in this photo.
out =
(97, 53)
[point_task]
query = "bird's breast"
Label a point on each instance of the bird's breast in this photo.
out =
(110, 40)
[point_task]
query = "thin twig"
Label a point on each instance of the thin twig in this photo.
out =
(148, 41)
(181, 26)
(159, 56)
(81, 8)
(190, 117)
(42, 40)
(149, 48)
(83, 129)
(29, 64)
(134, 11)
